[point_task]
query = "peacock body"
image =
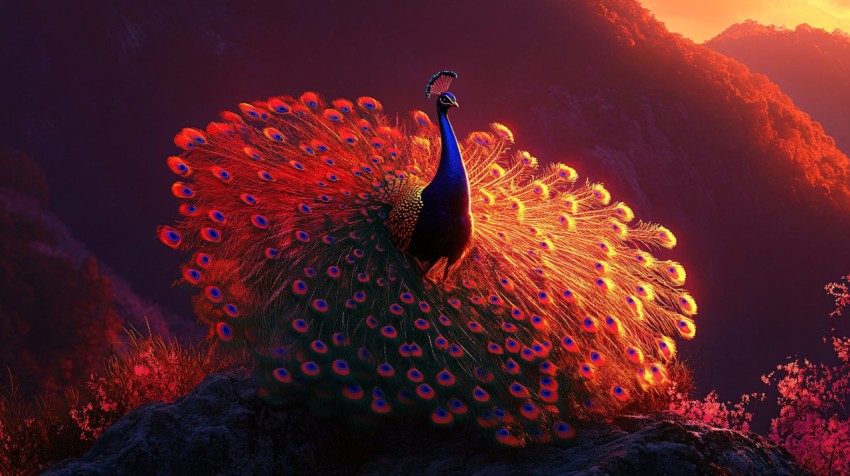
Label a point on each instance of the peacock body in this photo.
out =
(378, 269)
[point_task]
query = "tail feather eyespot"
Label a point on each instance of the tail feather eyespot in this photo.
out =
(251, 111)
(169, 236)
(657, 373)
(310, 99)
(623, 212)
(353, 392)
(614, 326)
(224, 331)
(179, 166)
(422, 119)
(569, 344)
(620, 393)
(380, 406)
(674, 272)
(188, 210)
(505, 437)
(567, 221)
(457, 407)
(644, 259)
(589, 325)
(563, 431)
(526, 159)
(282, 375)
(566, 173)
(213, 293)
(347, 136)
(192, 275)
(666, 347)
(596, 358)
(601, 193)
(687, 304)
(343, 105)
(587, 371)
(369, 103)
(480, 395)
(547, 368)
(603, 284)
(332, 115)
(502, 132)
(190, 138)
(570, 204)
(202, 259)
(619, 229)
(634, 354)
(665, 237)
(686, 327)
(221, 174)
(273, 134)
(635, 305)
(484, 139)
(211, 234)
(277, 105)
(529, 411)
(252, 153)
(442, 417)
(645, 291)
(181, 190)
(540, 189)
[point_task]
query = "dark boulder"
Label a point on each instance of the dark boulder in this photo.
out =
(222, 427)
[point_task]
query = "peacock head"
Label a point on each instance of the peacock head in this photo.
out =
(439, 85)
(446, 101)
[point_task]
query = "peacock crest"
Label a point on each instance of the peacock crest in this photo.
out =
(377, 269)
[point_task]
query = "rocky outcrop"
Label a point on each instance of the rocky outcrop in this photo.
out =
(223, 428)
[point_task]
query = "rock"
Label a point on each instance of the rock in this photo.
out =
(222, 427)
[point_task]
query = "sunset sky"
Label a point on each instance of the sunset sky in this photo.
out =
(700, 20)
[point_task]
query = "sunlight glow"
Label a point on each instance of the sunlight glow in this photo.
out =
(701, 21)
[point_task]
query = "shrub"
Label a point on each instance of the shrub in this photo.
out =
(813, 423)
(37, 433)
(734, 416)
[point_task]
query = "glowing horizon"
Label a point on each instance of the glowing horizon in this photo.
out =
(701, 21)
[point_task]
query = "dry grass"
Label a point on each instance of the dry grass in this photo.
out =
(37, 433)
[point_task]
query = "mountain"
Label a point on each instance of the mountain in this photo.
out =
(810, 64)
(756, 191)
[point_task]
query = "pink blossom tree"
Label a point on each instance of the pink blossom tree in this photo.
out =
(813, 422)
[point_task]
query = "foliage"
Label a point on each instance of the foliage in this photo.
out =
(814, 423)
(712, 412)
(37, 433)
(678, 400)
(58, 322)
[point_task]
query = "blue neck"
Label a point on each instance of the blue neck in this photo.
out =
(450, 178)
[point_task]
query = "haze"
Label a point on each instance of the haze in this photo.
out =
(700, 20)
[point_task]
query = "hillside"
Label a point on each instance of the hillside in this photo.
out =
(811, 65)
(62, 310)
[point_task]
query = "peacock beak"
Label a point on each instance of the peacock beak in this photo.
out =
(455, 104)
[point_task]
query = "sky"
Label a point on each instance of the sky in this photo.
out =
(701, 20)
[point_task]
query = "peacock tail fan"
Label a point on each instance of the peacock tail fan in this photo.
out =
(557, 314)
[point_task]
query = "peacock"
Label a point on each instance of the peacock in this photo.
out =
(375, 267)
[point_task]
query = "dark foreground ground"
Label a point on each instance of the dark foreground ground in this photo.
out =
(223, 428)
